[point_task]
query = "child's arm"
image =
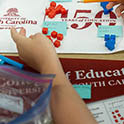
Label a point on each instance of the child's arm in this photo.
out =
(38, 52)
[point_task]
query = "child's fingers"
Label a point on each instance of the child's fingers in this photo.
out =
(22, 32)
(31, 36)
(122, 16)
(111, 4)
(39, 36)
(16, 36)
(119, 10)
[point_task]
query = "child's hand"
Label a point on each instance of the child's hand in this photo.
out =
(37, 50)
(119, 10)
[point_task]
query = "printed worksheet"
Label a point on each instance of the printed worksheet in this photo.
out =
(110, 111)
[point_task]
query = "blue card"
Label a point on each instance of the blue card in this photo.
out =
(61, 0)
(60, 27)
(83, 90)
(1, 62)
(111, 30)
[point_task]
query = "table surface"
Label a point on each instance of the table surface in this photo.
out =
(113, 56)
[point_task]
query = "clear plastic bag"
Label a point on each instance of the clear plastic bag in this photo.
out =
(24, 97)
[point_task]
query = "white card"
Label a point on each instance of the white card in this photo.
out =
(19, 13)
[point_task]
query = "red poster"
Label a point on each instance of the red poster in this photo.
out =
(105, 76)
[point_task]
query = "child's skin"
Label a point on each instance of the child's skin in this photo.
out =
(39, 53)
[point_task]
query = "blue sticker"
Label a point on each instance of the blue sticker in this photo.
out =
(83, 90)
(60, 27)
(111, 30)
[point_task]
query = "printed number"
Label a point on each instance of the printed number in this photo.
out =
(87, 24)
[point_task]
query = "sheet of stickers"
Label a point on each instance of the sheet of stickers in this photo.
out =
(82, 21)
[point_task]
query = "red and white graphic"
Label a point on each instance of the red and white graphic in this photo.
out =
(12, 18)
(12, 12)
(18, 14)
(82, 28)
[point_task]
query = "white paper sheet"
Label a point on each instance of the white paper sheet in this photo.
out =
(110, 111)
(19, 13)
(76, 41)
(86, 40)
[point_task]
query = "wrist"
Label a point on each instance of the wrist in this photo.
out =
(50, 66)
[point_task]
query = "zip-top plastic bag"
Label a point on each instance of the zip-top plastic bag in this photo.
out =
(24, 97)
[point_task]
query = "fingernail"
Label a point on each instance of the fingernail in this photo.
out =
(108, 6)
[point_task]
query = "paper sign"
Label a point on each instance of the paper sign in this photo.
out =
(83, 90)
(60, 27)
(61, 0)
(115, 30)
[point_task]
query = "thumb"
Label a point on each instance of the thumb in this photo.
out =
(111, 4)
(16, 36)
